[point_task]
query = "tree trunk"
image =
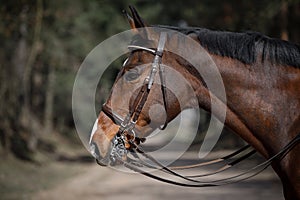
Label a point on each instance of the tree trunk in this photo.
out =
(27, 116)
(48, 113)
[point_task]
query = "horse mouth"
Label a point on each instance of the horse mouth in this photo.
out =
(102, 161)
(100, 142)
(107, 146)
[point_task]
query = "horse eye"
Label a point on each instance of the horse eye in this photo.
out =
(131, 75)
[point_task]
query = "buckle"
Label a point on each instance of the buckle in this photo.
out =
(159, 53)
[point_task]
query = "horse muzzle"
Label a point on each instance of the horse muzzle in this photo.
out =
(102, 141)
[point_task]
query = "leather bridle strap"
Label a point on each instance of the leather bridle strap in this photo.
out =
(113, 116)
(156, 65)
(225, 159)
(136, 169)
(210, 162)
(157, 59)
(207, 163)
(164, 94)
(165, 169)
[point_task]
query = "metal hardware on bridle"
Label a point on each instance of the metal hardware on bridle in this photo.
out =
(118, 150)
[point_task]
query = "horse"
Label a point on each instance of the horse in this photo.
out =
(261, 76)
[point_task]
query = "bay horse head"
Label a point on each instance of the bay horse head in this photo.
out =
(139, 101)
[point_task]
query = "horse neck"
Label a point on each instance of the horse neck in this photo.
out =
(259, 100)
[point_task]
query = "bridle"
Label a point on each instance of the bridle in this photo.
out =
(127, 125)
(126, 133)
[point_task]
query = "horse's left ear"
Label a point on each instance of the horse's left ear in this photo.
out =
(138, 21)
(135, 21)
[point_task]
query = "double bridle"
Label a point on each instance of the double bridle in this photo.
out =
(127, 125)
(126, 133)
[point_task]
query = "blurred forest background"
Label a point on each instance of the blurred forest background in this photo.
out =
(44, 42)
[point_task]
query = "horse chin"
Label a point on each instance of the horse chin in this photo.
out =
(100, 159)
(101, 163)
(110, 161)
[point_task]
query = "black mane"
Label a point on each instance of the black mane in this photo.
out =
(245, 47)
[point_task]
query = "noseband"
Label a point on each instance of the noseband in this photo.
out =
(127, 125)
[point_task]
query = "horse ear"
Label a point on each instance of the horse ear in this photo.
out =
(135, 21)
(138, 21)
(130, 20)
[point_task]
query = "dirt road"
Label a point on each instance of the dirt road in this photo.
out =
(108, 184)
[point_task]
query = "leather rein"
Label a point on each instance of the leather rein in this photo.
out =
(131, 159)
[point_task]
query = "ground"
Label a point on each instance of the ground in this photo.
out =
(101, 183)
(74, 175)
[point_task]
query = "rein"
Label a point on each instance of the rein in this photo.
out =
(126, 133)
(132, 165)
